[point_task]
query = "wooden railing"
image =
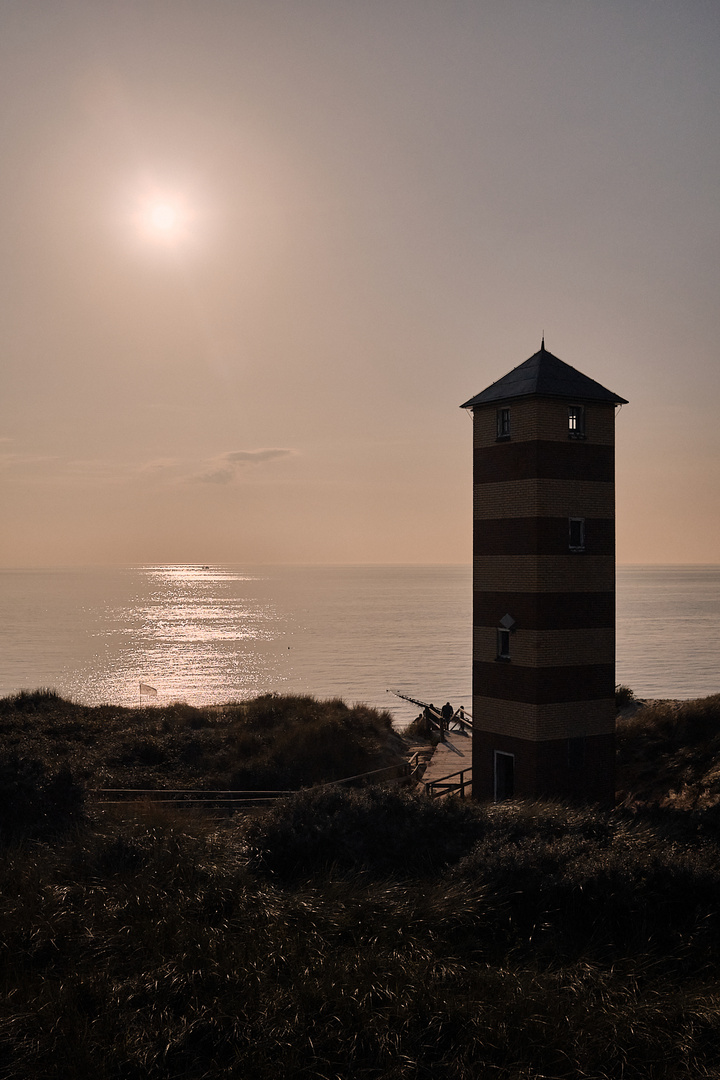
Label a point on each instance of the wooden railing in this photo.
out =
(228, 798)
(183, 796)
(434, 715)
(463, 722)
(452, 784)
(437, 723)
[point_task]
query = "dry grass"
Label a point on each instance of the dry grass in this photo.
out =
(669, 754)
(273, 741)
(553, 948)
(366, 934)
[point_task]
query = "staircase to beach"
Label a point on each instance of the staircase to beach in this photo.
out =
(449, 770)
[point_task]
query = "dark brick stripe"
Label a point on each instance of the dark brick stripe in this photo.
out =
(540, 536)
(571, 460)
(546, 611)
(543, 685)
(547, 768)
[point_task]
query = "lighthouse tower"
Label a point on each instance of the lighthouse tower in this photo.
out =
(544, 585)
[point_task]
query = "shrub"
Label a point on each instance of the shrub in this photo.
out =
(34, 804)
(280, 742)
(421, 728)
(669, 753)
(623, 696)
(144, 752)
(143, 946)
(585, 882)
(43, 700)
(382, 831)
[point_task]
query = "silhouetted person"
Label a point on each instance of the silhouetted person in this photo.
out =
(447, 712)
(432, 717)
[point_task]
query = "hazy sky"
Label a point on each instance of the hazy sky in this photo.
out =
(255, 253)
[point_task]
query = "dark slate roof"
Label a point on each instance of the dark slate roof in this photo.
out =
(545, 376)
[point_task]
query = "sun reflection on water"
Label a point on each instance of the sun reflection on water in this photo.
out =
(194, 633)
(211, 634)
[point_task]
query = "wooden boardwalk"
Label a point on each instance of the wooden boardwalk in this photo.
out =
(452, 756)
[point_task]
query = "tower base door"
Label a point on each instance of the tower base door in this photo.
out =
(504, 776)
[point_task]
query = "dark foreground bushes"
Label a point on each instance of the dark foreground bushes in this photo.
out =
(556, 880)
(572, 883)
(33, 803)
(386, 832)
(345, 934)
(526, 942)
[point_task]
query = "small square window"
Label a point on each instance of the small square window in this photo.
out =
(576, 539)
(503, 645)
(503, 423)
(576, 422)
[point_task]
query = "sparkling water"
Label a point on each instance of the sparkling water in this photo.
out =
(207, 634)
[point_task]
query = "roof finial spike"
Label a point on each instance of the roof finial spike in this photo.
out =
(542, 346)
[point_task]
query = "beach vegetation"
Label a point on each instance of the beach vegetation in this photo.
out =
(421, 728)
(350, 932)
(669, 754)
(624, 696)
(541, 942)
(278, 742)
(35, 803)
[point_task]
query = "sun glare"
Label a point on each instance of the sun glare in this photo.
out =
(162, 220)
(163, 217)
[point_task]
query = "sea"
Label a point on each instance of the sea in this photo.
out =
(213, 634)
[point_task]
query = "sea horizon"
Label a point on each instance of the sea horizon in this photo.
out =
(213, 632)
(199, 562)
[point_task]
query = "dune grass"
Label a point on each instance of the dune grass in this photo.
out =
(272, 742)
(349, 933)
(537, 943)
(669, 754)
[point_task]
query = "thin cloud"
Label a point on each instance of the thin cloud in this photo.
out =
(254, 457)
(219, 476)
(159, 465)
(228, 466)
(11, 460)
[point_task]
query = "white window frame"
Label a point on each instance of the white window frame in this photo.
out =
(581, 545)
(503, 636)
(576, 421)
(503, 423)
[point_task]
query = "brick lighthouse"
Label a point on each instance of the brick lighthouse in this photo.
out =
(544, 585)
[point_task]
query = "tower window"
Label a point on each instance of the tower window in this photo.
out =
(503, 645)
(576, 422)
(503, 423)
(576, 528)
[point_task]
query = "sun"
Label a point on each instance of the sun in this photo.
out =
(163, 217)
(162, 220)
